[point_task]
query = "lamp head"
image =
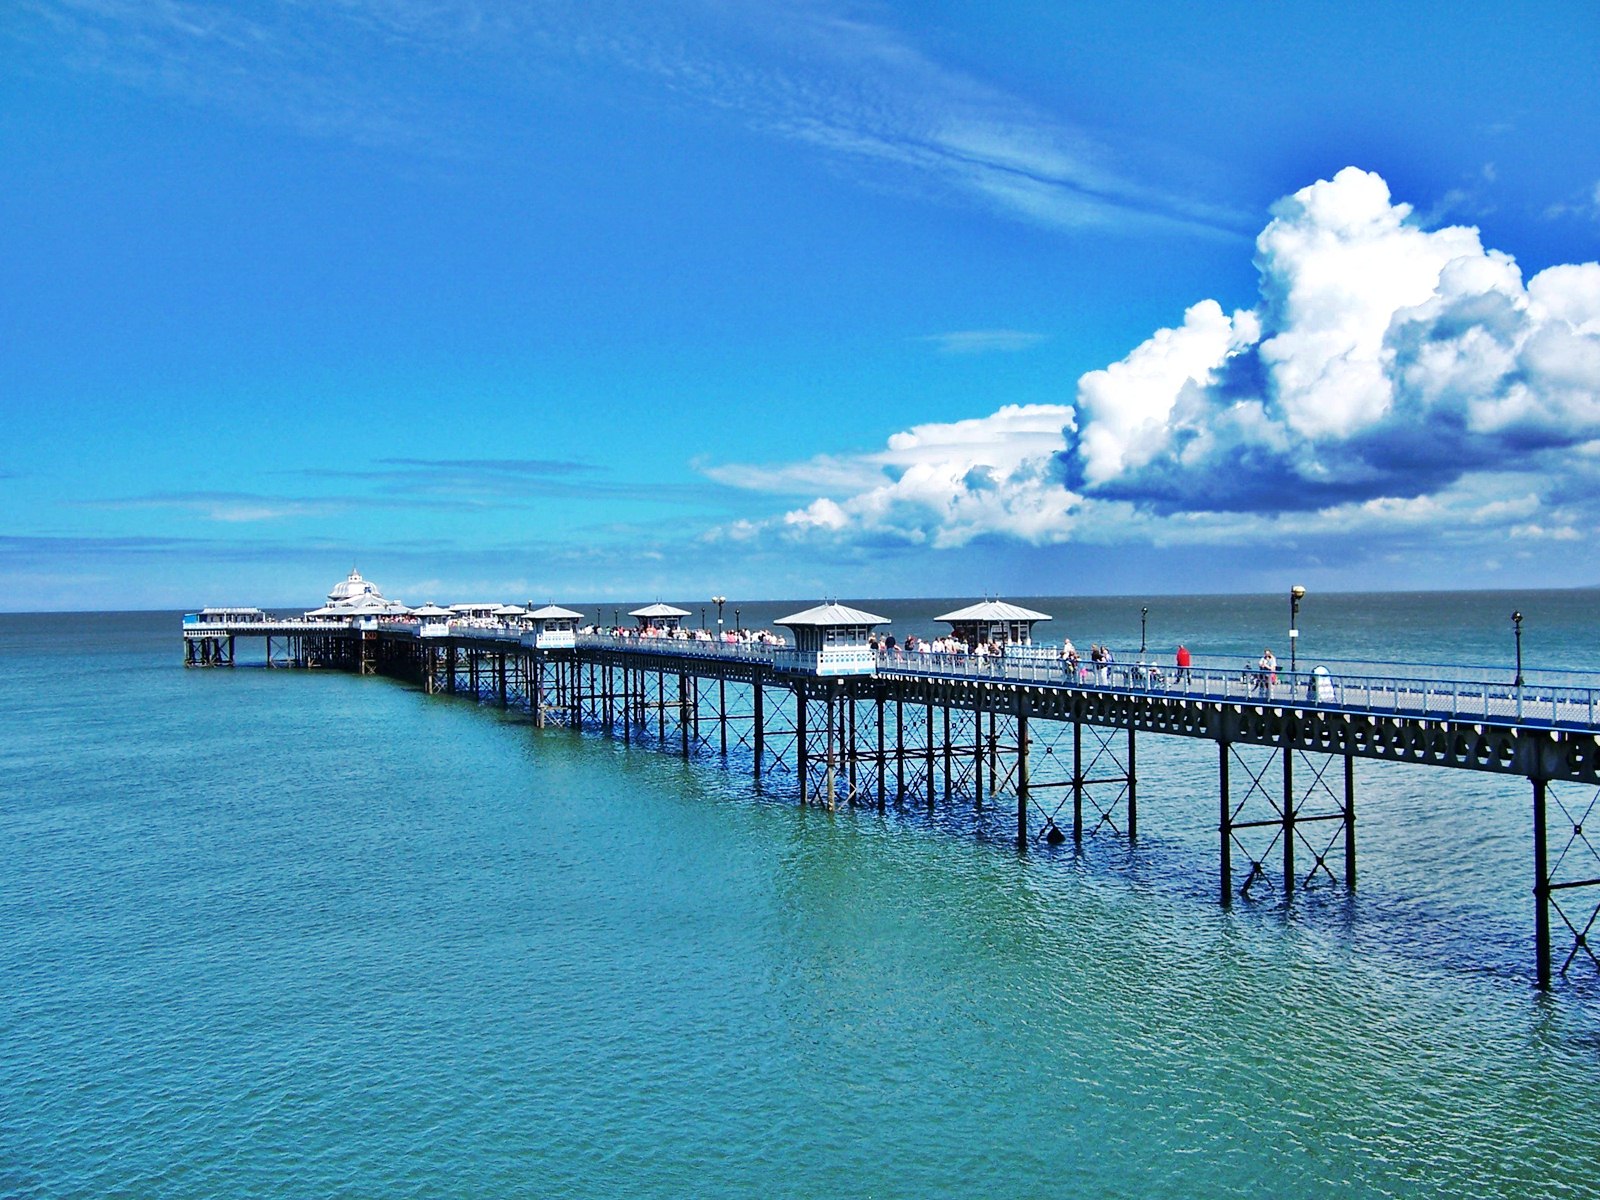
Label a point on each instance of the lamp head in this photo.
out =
(1297, 592)
(1516, 618)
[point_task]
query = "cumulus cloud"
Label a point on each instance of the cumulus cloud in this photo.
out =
(1386, 360)
(1387, 370)
(940, 484)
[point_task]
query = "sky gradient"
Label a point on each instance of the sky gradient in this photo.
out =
(615, 301)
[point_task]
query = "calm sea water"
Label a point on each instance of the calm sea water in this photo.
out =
(278, 933)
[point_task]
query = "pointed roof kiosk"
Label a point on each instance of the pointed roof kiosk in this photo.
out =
(434, 621)
(553, 628)
(831, 639)
(659, 616)
(994, 621)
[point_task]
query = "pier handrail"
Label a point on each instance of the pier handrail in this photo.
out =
(1495, 702)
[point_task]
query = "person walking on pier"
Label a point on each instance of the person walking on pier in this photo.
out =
(1268, 671)
(1184, 662)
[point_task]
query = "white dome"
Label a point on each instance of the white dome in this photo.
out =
(351, 587)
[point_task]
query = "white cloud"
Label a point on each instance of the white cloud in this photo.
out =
(1392, 376)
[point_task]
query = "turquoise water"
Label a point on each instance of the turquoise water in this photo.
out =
(304, 934)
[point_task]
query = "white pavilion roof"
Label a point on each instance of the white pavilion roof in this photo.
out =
(831, 614)
(659, 610)
(994, 610)
(431, 610)
(351, 586)
(510, 610)
(552, 612)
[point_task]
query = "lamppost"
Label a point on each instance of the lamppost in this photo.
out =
(702, 616)
(1516, 625)
(1144, 615)
(616, 618)
(719, 601)
(737, 628)
(1296, 594)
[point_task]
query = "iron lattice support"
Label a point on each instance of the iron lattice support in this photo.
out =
(1565, 884)
(1289, 808)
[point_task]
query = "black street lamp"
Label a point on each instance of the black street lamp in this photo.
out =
(1296, 594)
(702, 616)
(616, 618)
(737, 628)
(1516, 625)
(719, 601)
(1144, 615)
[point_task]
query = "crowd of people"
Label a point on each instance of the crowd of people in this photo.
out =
(730, 637)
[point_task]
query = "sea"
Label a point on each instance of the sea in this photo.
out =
(286, 933)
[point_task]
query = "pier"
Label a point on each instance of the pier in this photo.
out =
(839, 719)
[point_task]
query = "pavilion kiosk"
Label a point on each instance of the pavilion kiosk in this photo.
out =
(831, 639)
(663, 618)
(553, 628)
(474, 612)
(511, 614)
(994, 621)
(432, 621)
(358, 602)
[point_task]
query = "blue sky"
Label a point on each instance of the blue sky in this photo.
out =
(609, 301)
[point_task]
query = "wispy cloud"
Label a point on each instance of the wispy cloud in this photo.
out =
(863, 93)
(985, 341)
(504, 482)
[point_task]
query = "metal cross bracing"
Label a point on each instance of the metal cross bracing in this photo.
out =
(1092, 768)
(1290, 801)
(1565, 879)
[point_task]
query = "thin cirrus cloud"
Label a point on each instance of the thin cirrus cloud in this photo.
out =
(1392, 377)
(984, 341)
(460, 485)
(862, 93)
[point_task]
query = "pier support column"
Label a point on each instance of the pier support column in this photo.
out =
(800, 739)
(759, 720)
(1541, 888)
(977, 751)
(1022, 778)
(899, 745)
(930, 755)
(722, 707)
(852, 749)
(1288, 809)
(1349, 821)
(1077, 780)
(883, 765)
(1133, 782)
(683, 712)
(1225, 824)
(830, 764)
